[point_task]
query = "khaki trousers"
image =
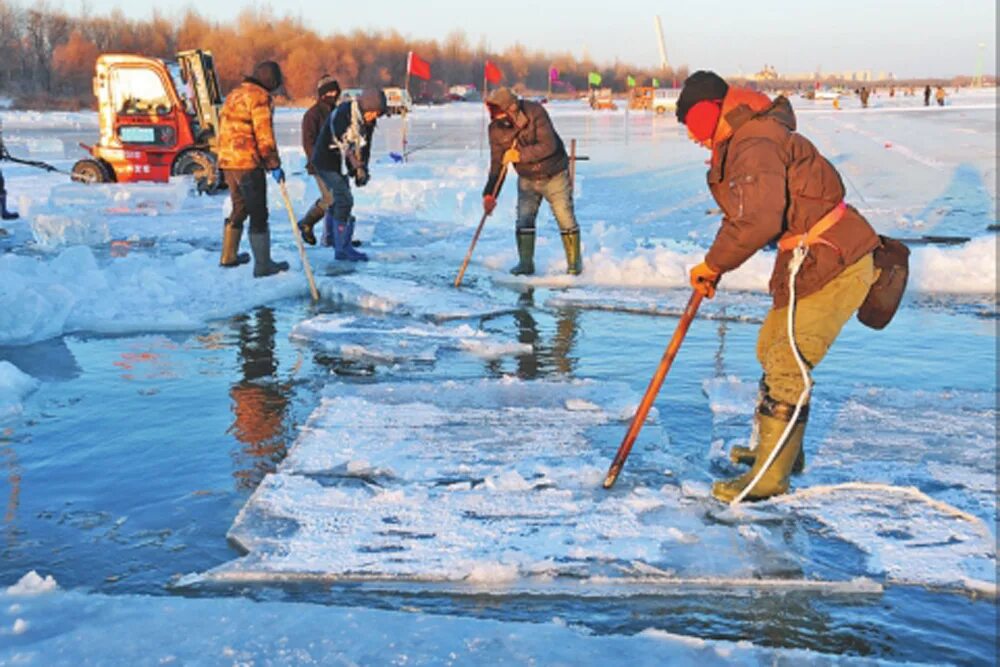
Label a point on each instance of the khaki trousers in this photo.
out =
(819, 318)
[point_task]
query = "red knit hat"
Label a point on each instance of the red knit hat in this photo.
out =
(702, 118)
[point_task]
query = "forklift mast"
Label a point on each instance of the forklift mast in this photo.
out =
(197, 73)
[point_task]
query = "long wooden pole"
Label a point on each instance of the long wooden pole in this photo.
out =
(298, 242)
(654, 388)
(479, 229)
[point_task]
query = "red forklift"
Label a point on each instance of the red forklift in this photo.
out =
(157, 119)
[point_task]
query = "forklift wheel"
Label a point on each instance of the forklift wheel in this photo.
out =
(203, 166)
(92, 171)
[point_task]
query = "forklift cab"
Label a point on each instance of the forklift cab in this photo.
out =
(156, 120)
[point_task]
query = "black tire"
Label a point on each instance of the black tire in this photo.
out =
(92, 171)
(203, 166)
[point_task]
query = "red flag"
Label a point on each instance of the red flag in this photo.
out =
(493, 73)
(417, 67)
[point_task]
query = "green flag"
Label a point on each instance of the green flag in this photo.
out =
(630, 81)
(656, 83)
(594, 79)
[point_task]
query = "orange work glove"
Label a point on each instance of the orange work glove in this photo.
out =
(489, 203)
(703, 279)
(512, 156)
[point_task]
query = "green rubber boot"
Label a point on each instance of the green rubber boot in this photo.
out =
(525, 253)
(775, 480)
(571, 243)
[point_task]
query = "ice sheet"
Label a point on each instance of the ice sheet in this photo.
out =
(73, 628)
(390, 342)
(906, 476)
(399, 296)
(43, 297)
(14, 386)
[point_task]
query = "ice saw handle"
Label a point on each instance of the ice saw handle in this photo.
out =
(654, 388)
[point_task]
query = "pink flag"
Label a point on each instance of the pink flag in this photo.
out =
(553, 75)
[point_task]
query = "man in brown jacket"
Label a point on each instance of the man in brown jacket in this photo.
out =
(773, 186)
(246, 148)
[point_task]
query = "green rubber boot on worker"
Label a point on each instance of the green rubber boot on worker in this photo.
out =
(525, 253)
(571, 244)
(772, 418)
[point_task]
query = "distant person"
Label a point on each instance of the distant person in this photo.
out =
(342, 152)
(246, 148)
(940, 95)
(927, 96)
(327, 95)
(5, 213)
(865, 93)
(773, 185)
(521, 133)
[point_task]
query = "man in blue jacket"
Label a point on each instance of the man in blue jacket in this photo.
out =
(345, 142)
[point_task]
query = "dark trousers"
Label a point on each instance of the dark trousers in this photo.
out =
(339, 186)
(248, 191)
(3, 190)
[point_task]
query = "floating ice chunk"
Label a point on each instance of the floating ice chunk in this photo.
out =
(581, 405)
(14, 386)
(33, 584)
(51, 231)
(396, 295)
(488, 350)
(149, 199)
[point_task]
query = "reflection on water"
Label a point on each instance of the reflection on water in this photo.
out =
(259, 401)
(549, 357)
(12, 472)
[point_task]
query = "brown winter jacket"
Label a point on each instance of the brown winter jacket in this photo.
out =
(312, 123)
(246, 135)
(769, 180)
(543, 154)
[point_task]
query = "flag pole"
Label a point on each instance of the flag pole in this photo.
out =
(482, 133)
(406, 87)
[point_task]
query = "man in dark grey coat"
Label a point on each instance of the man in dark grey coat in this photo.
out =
(327, 94)
(521, 133)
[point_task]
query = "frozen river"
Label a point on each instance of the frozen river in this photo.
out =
(412, 472)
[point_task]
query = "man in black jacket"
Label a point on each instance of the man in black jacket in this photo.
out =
(345, 140)
(521, 133)
(327, 94)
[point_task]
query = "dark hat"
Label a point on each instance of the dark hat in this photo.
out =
(502, 98)
(700, 86)
(373, 99)
(327, 84)
(268, 74)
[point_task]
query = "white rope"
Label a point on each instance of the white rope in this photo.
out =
(794, 264)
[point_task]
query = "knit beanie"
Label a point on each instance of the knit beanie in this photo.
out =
(373, 99)
(268, 74)
(702, 85)
(327, 84)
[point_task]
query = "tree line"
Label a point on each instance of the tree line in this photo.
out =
(49, 54)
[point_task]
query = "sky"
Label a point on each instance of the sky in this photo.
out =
(909, 38)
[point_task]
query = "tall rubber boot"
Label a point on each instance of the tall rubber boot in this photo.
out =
(4, 212)
(741, 455)
(571, 244)
(230, 245)
(328, 229)
(308, 222)
(260, 244)
(352, 254)
(775, 480)
(525, 253)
